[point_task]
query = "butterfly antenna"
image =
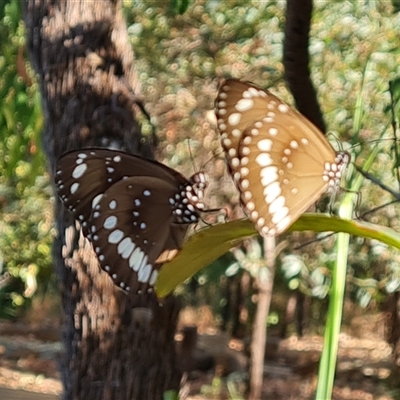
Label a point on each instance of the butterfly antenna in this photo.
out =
(218, 154)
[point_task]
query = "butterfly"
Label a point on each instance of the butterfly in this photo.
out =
(136, 212)
(280, 162)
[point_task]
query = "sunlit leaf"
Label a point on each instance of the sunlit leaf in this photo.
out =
(210, 243)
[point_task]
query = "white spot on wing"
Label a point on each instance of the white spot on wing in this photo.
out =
(260, 222)
(144, 273)
(79, 170)
(283, 224)
(115, 236)
(74, 187)
(250, 206)
(273, 131)
(280, 214)
(244, 171)
(244, 105)
(283, 108)
(271, 192)
(236, 132)
(96, 200)
(136, 259)
(110, 222)
(267, 178)
(234, 119)
(244, 184)
(265, 145)
(125, 247)
(277, 205)
(264, 159)
(272, 170)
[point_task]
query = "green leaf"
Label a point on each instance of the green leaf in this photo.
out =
(210, 243)
(199, 251)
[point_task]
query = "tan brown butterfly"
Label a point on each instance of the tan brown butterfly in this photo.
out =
(280, 162)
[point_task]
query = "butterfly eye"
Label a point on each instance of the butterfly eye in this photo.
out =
(280, 162)
(136, 212)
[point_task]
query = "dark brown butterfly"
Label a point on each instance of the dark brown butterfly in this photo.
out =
(136, 212)
(280, 162)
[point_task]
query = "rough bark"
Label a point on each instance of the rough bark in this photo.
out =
(392, 307)
(116, 347)
(296, 60)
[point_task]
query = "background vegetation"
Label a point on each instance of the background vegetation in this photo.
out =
(25, 193)
(181, 58)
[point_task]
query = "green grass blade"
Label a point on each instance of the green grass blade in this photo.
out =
(327, 366)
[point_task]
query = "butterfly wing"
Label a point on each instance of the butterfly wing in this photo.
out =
(280, 162)
(82, 177)
(133, 233)
(237, 105)
(89, 181)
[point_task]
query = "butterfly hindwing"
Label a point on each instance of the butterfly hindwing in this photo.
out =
(130, 228)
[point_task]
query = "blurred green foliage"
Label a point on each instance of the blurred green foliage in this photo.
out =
(25, 192)
(183, 48)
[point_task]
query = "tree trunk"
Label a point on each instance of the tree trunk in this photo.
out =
(392, 307)
(296, 60)
(117, 347)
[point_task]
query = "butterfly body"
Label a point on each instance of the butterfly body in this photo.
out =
(280, 162)
(136, 212)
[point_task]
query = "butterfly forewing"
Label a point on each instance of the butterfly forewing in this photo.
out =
(83, 176)
(280, 162)
(237, 106)
(135, 212)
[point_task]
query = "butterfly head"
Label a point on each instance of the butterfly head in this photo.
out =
(187, 201)
(333, 171)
